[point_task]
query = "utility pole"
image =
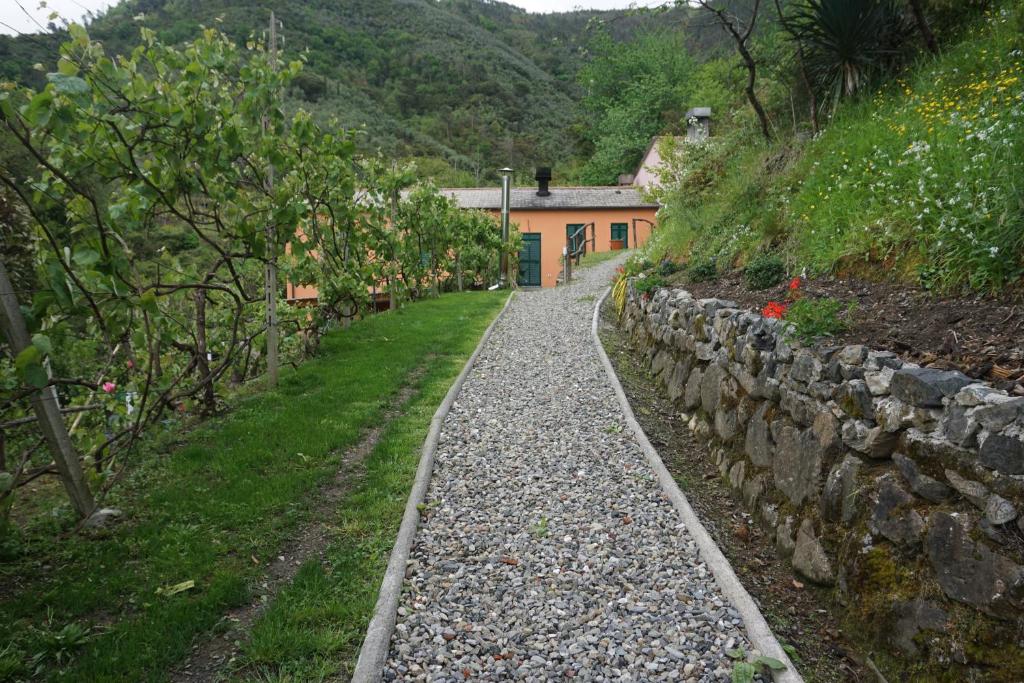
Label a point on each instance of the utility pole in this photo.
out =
(270, 288)
(44, 405)
(506, 202)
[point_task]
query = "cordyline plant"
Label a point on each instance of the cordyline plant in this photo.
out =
(845, 44)
(153, 206)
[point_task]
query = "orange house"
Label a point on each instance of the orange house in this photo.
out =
(611, 218)
(600, 218)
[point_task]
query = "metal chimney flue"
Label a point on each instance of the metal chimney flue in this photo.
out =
(543, 177)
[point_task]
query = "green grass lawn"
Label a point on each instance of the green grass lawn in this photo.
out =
(216, 506)
(316, 625)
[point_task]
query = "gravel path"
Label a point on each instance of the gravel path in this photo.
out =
(548, 550)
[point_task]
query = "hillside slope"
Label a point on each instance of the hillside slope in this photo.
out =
(480, 84)
(919, 182)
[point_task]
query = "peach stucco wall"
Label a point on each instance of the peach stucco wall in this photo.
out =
(647, 175)
(551, 226)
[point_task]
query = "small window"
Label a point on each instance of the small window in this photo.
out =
(620, 233)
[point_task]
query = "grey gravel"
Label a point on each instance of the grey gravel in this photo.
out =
(547, 549)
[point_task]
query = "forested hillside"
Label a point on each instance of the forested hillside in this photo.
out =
(467, 86)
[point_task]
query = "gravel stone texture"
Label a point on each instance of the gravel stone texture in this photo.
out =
(546, 549)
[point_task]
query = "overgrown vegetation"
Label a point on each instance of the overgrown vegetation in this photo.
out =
(703, 270)
(646, 285)
(632, 93)
(917, 177)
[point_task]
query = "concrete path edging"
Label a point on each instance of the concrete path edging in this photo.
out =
(760, 634)
(374, 651)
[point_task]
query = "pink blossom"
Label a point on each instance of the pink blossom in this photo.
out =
(130, 364)
(109, 387)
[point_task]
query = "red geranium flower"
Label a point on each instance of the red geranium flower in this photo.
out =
(774, 309)
(794, 283)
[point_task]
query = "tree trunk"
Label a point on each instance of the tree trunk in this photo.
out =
(812, 97)
(346, 311)
(44, 405)
(158, 368)
(434, 264)
(202, 359)
(922, 26)
(751, 65)
(270, 279)
(392, 279)
(458, 272)
(740, 36)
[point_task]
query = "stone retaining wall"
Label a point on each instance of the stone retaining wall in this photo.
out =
(898, 485)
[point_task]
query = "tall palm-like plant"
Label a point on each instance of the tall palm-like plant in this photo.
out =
(848, 43)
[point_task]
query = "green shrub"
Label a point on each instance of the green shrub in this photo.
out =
(636, 264)
(668, 267)
(764, 271)
(702, 271)
(815, 318)
(646, 285)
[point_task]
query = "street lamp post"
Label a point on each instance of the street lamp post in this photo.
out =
(506, 191)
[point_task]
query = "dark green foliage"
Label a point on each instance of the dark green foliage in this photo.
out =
(647, 285)
(425, 79)
(849, 43)
(634, 91)
(816, 318)
(764, 271)
(16, 241)
(952, 17)
(702, 271)
(668, 267)
(309, 86)
(480, 85)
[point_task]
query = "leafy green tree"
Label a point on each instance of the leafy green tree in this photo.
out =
(127, 147)
(152, 197)
(633, 91)
(476, 248)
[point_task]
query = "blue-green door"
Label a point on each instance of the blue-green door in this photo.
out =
(574, 240)
(620, 231)
(529, 260)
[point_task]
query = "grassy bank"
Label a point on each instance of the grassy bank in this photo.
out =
(316, 625)
(215, 506)
(921, 181)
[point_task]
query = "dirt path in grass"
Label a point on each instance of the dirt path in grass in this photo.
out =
(211, 658)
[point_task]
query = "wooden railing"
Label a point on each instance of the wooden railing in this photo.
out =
(576, 247)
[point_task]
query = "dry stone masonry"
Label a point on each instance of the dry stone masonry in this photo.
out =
(901, 486)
